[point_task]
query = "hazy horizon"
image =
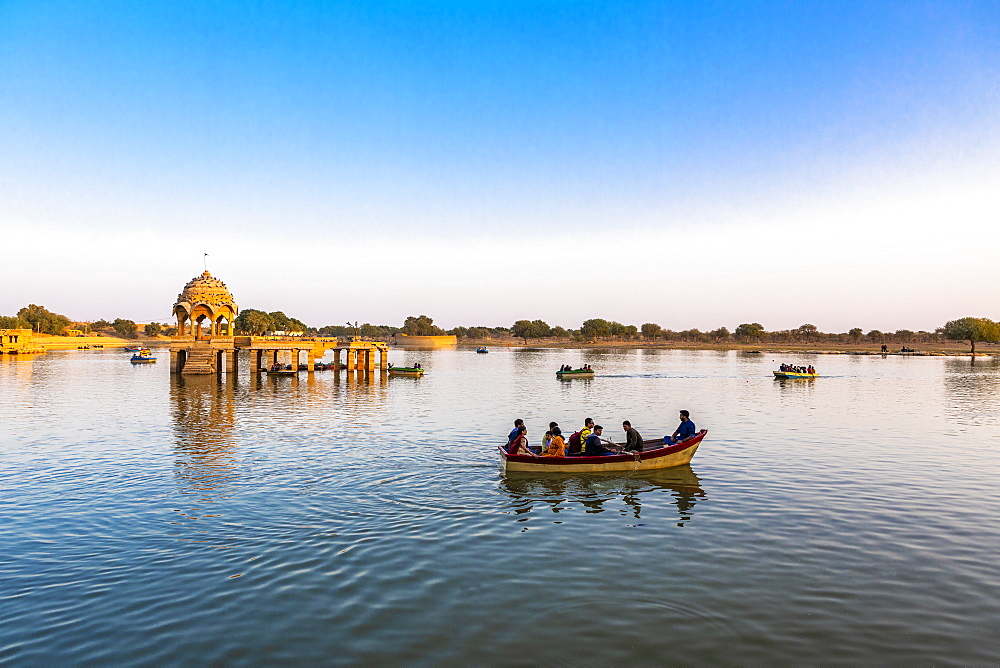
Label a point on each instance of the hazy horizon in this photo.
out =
(692, 165)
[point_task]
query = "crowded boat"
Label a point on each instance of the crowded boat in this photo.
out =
(795, 371)
(567, 371)
(588, 449)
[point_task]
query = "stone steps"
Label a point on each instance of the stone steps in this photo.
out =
(200, 361)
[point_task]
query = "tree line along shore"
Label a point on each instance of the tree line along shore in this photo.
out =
(952, 337)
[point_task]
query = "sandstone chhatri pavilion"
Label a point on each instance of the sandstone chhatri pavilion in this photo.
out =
(205, 298)
(206, 339)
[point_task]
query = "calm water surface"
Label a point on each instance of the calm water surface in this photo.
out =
(339, 520)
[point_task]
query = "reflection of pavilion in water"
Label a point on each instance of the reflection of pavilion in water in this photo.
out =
(204, 416)
(593, 490)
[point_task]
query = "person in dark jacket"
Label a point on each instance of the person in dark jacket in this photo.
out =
(633, 439)
(593, 445)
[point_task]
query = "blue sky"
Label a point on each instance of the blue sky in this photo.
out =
(690, 164)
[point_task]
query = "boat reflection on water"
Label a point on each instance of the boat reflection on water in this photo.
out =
(594, 491)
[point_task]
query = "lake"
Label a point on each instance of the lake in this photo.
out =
(337, 519)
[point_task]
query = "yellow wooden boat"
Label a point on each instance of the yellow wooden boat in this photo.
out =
(658, 456)
(794, 374)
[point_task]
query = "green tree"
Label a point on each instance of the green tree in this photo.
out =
(972, 330)
(650, 330)
(153, 329)
(595, 328)
(720, 334)
(421, 326)
(749, 332)
(43, 320)
(170, 331)
(125, 328)
(876, 336)
(856, 334)
(339, 331)
(691, 335)
(526, 329)
(283, 323)
(253, 322)
(808, 331)
(559, 332)
(540, 329)
(13, 322)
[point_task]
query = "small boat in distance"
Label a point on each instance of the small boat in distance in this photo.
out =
(656, 456)
(482, 349)
(144, 356)
(281, 370)
(790, 371)
(582, 372)
(325, 366)
(413, 371)
(132, 349)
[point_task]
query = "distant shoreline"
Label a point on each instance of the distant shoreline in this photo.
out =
(948, 349)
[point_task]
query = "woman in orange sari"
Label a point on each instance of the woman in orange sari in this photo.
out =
(557, 446)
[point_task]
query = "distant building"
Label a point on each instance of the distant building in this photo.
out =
(18, 342)
(74, 332)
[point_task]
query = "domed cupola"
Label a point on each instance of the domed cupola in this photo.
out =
(205, 298)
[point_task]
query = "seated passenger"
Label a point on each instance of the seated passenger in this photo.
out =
(684, 431)
(593, 445)
(633, 440)
(574, 446)
(557, 446)
(588, 428)
(513, 432)
(519, 446)
(545, 439)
